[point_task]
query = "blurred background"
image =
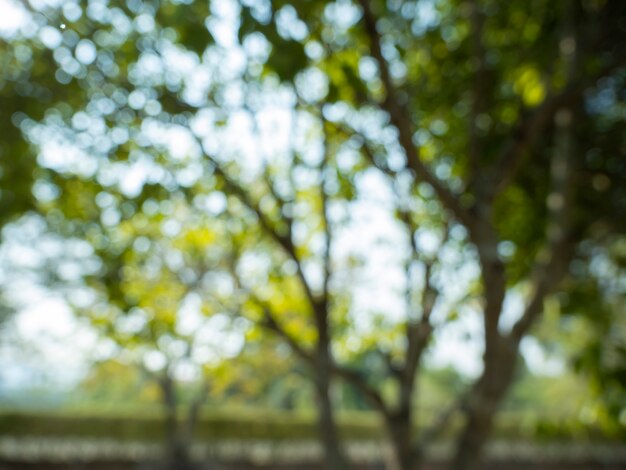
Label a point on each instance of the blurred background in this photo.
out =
(313, 234)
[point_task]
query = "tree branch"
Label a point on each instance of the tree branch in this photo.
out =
(354, 378)
(271, 323)
(196, 406)
(400, 118)
(552, 261)
(323, 168)
(282, 240)
(528, 132)
(418, 333)
(551, 264)
(349, 375)
(532, 126)
(479, 88)
(442, 421)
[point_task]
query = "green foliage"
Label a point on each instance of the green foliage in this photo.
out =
(189, 22)
(129, 127)
(114, 384)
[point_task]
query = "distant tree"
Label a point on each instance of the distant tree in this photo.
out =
(155, 300)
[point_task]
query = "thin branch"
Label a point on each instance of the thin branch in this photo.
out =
(196, 406)
(323, 169)
(368, 151)
(528, 132)
(349, 375)
(369, 154)
(359, 382)
(552, 260)
(551, 264)
(28, 7)
(271, 323)
(267, 176)
(479, 88)
(533, 125)
(271, 186)
(282, 240)
(400, 118)
(441, 423)
(418, 333)
(394, 369)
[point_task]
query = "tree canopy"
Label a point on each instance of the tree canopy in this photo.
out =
(291, 163)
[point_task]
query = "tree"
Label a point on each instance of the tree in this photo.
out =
(486, 122)
(294, 299)
(491, 133)
(155, 298)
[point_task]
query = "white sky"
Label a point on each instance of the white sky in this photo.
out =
(12, 18)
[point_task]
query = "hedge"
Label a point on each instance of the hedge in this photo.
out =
(140, 425)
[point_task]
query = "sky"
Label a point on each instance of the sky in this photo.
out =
(44, 343)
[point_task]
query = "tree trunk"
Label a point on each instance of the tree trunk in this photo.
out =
(399, 426)
(176, 446)
(334, 457)
(483, 404)
(178, 457)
